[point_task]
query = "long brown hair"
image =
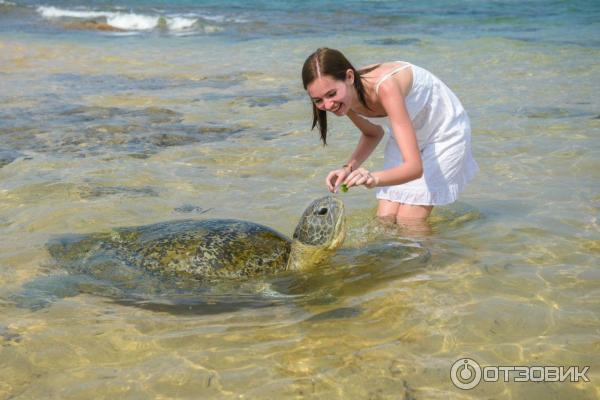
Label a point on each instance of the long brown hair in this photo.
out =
(330, 62)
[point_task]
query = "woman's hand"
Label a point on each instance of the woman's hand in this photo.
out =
(335, 178)
(362, 177)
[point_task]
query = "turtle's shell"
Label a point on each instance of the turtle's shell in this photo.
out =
(205, 248)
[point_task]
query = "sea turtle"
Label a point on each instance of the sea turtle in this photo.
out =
(210, 248)
(185, 263)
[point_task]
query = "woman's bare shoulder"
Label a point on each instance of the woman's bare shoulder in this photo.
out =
(378, 70)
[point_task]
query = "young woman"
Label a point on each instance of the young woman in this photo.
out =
(428, 158)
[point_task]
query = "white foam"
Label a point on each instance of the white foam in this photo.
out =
(180, 23)
(132, 22)
(54, 12)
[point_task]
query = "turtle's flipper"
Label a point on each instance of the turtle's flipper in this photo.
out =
(43, 291)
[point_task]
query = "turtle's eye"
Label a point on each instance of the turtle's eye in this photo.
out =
(322, 211)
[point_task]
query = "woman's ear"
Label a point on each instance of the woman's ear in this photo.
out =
(350, 76)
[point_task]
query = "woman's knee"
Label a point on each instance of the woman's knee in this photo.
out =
(387, 210)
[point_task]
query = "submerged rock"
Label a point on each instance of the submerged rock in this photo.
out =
(91, 25)
(8, 156)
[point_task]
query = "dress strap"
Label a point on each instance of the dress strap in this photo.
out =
(392, 72)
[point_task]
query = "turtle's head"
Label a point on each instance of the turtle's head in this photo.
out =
(323, 224)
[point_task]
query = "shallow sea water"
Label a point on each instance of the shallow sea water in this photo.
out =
(101, 130)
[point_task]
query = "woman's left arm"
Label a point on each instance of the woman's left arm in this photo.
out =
(392, 101)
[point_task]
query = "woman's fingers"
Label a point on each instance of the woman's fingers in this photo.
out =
(371, 182)
(335, 179)
(351, 179)
(359, 177)
(339, 181)
(354, 177)
(329, 181)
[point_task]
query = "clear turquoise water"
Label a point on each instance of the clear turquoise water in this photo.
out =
(100, 129)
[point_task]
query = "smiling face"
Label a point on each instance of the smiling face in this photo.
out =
(330, 94)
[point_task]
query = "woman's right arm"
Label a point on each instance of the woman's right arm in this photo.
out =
(369, 139)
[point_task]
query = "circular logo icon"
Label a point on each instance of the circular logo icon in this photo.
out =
(465, 373)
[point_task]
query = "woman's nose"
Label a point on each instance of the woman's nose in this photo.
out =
(328, 104)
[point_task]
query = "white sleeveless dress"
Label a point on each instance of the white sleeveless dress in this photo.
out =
(443, 135)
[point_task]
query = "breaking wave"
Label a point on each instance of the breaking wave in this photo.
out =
(129, 21)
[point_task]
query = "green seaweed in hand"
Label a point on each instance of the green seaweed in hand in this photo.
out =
(344, 187)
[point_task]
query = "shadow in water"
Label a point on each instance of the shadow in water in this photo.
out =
(154, 293)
